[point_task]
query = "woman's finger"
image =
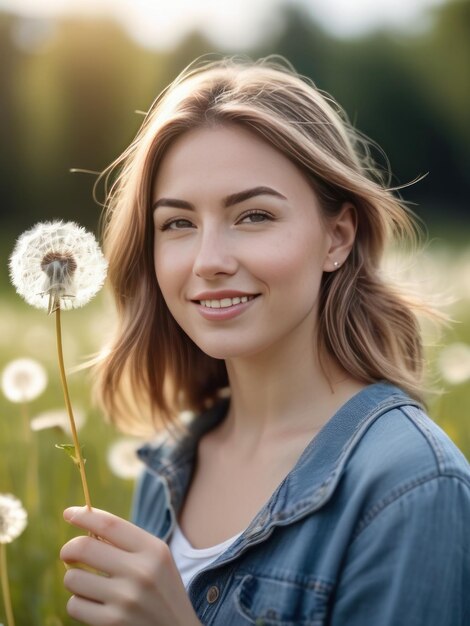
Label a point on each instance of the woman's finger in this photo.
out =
(91, 551)
(89, 586)
(117, 531)
(89, 612)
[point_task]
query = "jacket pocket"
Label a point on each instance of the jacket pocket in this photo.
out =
(266, 601)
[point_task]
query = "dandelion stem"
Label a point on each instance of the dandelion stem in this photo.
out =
(68, 404)
(26, 421)
(5, 586)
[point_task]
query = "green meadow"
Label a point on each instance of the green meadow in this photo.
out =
(41, 476)
(46, 480)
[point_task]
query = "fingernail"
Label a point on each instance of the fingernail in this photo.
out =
(70, 513)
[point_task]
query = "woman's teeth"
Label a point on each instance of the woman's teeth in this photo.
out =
(225, 302)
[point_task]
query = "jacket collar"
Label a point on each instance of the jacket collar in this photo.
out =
(173, 457)
(313, 479)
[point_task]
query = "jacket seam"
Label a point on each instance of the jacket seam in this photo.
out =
(427, 434)
(317, 584)
(395, 495)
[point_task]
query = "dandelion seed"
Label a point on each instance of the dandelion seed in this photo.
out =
(57, 265)
(454, 363)
(23, 380)
(13, 518)
(122, 457)
(57, 418)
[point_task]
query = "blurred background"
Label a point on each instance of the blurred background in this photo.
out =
(75, 76)
(73, 73)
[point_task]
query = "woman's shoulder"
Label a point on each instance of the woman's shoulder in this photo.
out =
(404, 455)
(382, 441)
(405, 439)
(405, 493)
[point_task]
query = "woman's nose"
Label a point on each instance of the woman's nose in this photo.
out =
(214, 255)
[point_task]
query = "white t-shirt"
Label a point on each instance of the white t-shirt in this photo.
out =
(189, 560)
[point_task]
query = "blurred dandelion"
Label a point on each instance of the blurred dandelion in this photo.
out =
(13, 520)
(122, 457)
(57, 418)
(54, 266)
(454, 363)
(23, 380)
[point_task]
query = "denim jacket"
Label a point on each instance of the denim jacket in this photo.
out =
(370, 528)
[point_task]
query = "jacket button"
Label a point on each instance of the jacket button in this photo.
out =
(212, 594)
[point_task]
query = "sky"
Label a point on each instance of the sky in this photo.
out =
(162, 23)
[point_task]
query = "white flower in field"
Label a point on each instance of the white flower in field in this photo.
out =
(122, 457)
(454, 363)
(23, 380)
(57, 265)
(57, 418)
(13, 518)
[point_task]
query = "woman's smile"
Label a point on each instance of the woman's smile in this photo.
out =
(225, 302)
(225, 308)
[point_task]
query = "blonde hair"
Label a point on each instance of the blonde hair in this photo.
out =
(363, 322)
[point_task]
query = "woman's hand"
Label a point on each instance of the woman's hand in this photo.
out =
(139, 584)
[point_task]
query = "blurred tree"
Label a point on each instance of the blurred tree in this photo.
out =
(10, 152)
(76, 102)
(441, 71)
(69, 90)
(388, 86)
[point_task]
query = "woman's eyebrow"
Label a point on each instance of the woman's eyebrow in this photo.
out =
(234, 198)
(241, 196)
(173, 202)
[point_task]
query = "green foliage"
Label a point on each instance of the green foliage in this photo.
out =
(69, 450)
(47, 482)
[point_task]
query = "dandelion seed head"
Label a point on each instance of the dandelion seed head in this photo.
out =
(57, 264)
(122, 458)
(454, 363)
(13, 518)
(23, 380)
(57, 418)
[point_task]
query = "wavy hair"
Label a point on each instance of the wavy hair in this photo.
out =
(151, 370)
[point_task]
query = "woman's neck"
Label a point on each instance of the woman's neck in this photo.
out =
(282, 394)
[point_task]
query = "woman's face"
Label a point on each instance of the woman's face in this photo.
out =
(240, 248)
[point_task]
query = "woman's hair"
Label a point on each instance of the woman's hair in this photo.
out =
(364, 323)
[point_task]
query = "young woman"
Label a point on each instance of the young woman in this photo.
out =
(244, 233)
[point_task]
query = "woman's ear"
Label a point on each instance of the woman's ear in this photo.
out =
(342, 230)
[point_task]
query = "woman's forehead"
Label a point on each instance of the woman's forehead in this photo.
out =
(227, 158)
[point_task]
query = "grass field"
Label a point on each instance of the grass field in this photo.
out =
(47, 481)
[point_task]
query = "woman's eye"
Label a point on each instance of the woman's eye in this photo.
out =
(254, 217)
(176, 224)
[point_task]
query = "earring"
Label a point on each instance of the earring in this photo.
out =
(336, 263)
